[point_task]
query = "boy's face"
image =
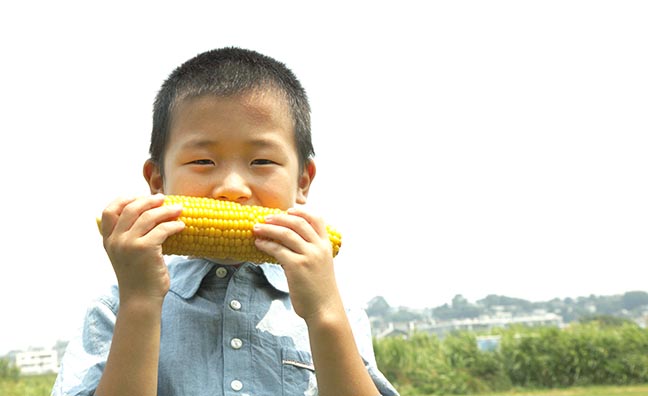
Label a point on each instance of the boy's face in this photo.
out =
(239, 148)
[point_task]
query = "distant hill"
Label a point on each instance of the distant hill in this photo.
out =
(630, 305)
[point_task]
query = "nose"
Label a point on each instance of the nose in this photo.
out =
(233, 187)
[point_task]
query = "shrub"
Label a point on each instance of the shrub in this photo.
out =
(8, 370)
(591, 353)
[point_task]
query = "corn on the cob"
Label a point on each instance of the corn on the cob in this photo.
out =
(222, 230)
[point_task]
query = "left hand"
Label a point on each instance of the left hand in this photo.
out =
(300, 243)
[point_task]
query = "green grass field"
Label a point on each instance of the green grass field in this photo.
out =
(580, 391)
(38, 385)
(42, 386)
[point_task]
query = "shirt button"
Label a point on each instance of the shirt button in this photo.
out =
(236, 343)
(236, 385)
(221, 272)
(235, 305)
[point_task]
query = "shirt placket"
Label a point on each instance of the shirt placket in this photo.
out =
(237, 357)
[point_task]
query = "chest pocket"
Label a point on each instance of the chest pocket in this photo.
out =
(297, 373)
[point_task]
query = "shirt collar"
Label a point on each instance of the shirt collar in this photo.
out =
(187, 275)
(276, 276)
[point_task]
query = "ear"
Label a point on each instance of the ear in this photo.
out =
(153, 176)
(305, 180)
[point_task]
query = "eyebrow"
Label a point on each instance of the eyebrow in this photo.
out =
(199, 143)
(202, 143)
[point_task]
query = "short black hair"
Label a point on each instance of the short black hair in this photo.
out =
(225, 72)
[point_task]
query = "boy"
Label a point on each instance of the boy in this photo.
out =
(230, 124)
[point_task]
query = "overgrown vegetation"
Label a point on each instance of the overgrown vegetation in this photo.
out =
(584, 354)
(36, 385)
(8, 371)
(595, 390)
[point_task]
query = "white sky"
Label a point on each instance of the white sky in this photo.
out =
(471, 148)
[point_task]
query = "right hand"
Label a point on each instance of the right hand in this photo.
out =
(133, 231)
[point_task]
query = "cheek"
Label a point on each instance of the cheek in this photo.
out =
(277, 195)
(179, 184)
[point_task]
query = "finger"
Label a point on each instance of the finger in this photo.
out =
(111, 214)
(292, 237)
(292, 232)
(162, 231)
(317, 233)
(133, 210)
(296, 223)
(277, 250)
(153, 218)
(316, 222)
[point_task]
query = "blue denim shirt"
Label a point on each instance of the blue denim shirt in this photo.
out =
(224, 332)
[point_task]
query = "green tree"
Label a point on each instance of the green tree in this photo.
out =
(634, 299)
(605, 320)
(8, 370)
(494, 300)
(378, 306)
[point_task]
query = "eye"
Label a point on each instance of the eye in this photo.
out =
(202, 162)
(262, 162)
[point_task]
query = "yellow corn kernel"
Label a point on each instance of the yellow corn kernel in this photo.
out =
(222, 230)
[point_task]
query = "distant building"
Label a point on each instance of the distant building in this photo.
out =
(37, 361)
(481, 323)
(485, 323)
(402, 330)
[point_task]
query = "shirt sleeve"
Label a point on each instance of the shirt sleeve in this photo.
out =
(362, 333)
(86, 354)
